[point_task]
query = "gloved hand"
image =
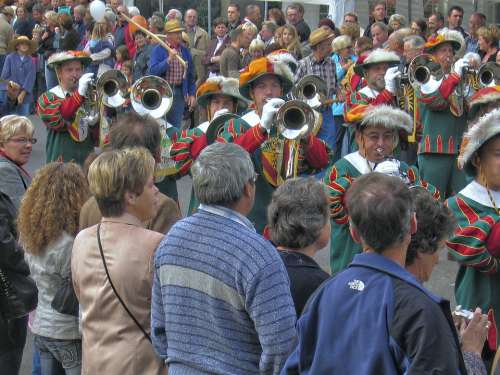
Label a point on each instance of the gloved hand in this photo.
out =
(268, 112)
(220, 112)
(459, 66)
(84, 82)
(390, 79)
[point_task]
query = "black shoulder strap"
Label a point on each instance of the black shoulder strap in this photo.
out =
(113, 287)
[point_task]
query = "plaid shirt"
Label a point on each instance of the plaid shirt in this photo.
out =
(324, 69)
(175, 71)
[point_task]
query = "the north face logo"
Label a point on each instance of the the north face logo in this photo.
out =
(356, 285)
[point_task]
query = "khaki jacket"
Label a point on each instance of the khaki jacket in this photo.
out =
(168, 213)
(198, 50)
(111, 341)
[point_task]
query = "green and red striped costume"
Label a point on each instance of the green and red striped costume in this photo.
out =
(441, 137)
(58, 113)
(478, 279)
(338, 179)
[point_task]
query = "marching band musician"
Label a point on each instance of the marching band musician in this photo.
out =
(442, 124)
(377, 136)
(379, 70)
(220, 97)
(484, 101)
(265, 81)
(68, 136)
(476, 242)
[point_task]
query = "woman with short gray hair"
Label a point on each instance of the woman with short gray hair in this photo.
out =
(299, 226)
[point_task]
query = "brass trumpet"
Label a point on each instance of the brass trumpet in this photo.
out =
(312, 90)
(295, 120)
(112, 87)
(151, 95)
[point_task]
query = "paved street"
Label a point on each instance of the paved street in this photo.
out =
(442, 281)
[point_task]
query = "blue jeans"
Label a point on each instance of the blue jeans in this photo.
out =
(50, 77)
(174, 116)
(56, 353)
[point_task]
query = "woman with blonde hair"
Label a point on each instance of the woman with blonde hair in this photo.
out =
(487, 37)
(16, 144)
(291, 42)
(48, 223)
(112, 266)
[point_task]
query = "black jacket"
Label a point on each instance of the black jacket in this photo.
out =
(305, 277)
(13, 333)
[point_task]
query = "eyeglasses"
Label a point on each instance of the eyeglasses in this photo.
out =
(23, 141)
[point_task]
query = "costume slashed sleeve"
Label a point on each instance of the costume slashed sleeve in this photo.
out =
(416, 180)
(186, 148)
(317, 153)
(56, 112)
(468, 245)
(239, 132)
(337, 184)
(437, 100)
(357, 103)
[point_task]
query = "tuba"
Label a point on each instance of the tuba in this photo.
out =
(488, 75)
(151, 95)
(112, 87)
(312, 90)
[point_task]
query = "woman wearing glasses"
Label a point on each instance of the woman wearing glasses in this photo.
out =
(16, 145)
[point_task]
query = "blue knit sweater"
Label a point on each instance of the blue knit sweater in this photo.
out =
(221, 301)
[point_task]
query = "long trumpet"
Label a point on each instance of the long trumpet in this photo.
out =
(112, 87)
(424, 69)
(151, 95)
(488, 74)
(295, 120)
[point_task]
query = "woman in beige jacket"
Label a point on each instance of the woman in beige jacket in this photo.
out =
(112, 343)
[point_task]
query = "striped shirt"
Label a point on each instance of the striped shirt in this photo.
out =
(221, 301)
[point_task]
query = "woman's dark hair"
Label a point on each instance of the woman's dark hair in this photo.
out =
(422, 24)
(435, 223)
(277, 15)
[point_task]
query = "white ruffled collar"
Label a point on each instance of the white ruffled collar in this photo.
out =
(251, 118)
(478, 193)
(359, 162)
(371, 93)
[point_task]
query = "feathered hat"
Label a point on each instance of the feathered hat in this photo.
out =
(446, 35)
(273, 65)
(387, 117)
(483, 96)
(219, 86)
(478, 134)
(377, 56)
(60, 58)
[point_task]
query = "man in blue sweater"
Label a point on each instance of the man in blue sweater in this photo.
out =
(221, 299)
(375, 317)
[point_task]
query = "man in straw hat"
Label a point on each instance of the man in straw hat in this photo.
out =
(377, 136)
(222, 100)
(59, 108)
(264, 82)
(476, 244)
(164, 64)
(19, 68)
(320, 63)
(441, 121)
